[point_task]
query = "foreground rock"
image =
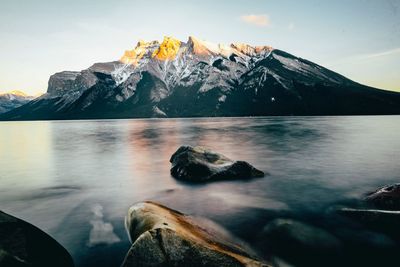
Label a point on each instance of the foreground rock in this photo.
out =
(299, 243)
(198, 164)
(165, 237)
(387, 197)
(22, 244)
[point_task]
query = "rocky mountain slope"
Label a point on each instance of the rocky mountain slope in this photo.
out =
(13, 99)
(198, 78)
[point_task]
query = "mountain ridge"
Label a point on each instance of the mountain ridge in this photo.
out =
(13, 99)
(197, 78)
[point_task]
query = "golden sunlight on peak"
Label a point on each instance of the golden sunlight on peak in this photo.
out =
(199, 47)
(250, 50)
(168, 49)
(18, 92)
(134, 56)
(15, 92)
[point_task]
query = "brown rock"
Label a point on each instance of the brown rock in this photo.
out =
(165, 237)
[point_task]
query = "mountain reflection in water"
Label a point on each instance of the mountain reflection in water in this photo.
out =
(77, 179)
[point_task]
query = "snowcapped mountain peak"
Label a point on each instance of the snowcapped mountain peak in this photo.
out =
(168, 49)
(200, 47)
(249, 50)
(13, 99)
(205, 48)
(171, 49)
(141, 50)
(15, 93)
(172, 78)
(143, 43)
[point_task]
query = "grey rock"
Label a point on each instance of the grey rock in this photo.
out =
(164, 237)
(60, 82)
(22, 244)
(386, 197)
(198, 164)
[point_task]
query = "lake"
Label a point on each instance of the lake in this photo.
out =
(76, 179)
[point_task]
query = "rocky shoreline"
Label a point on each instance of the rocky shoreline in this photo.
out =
(161, 236)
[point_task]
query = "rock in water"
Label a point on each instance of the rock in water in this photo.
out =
(387, 197)
(22, 244)
(384, 221)
(300, 243)
(164, 237)
(199, 164)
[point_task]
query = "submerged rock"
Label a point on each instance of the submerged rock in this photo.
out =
(385, 221)
(387, 197)
(22, 244)
(382, 212)
(199, 164)
(165, 237)
(299, 243)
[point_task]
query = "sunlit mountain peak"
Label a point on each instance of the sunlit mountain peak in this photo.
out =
(15, 92)
(142, 48)
(171, 48)
(168, 49)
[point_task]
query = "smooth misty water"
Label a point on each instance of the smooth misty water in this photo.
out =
(77, 179)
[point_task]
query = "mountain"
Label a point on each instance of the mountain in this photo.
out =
(199, 78)
(13, 99)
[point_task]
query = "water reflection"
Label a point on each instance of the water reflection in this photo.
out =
(26, 149)
(84, 175)
(102, 232)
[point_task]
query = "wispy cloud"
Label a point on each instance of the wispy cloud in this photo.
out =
(291, 26)
(382, 54)
(362, 58)
(261, 20)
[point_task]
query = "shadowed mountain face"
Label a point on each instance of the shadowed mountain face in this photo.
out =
(197, 78)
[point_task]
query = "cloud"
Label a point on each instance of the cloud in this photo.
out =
(291, 26)
(257, 20)
(395, 52)
(382, 54)
(102, 232)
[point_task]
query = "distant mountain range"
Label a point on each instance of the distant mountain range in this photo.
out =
(198, 78)
(13, 99)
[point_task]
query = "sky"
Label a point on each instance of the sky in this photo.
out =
(359, 39)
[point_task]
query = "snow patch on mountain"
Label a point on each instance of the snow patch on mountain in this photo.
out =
(296, 65)
(121, 73)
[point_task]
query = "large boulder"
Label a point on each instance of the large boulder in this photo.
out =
(199, 164)
(22, 244)
(387, 197)
(165, 237)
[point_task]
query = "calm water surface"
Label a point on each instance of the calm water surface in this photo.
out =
(77, 179)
